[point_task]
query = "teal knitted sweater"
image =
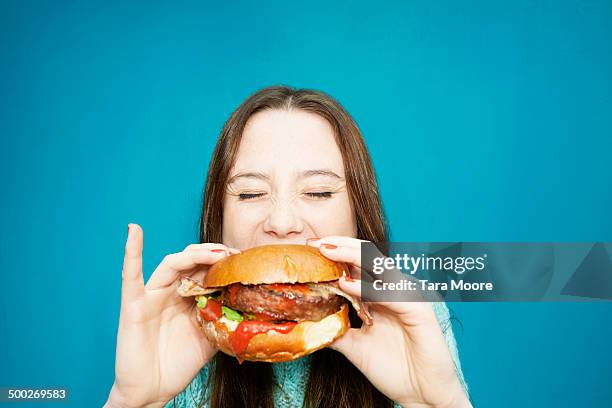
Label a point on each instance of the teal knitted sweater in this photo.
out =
(293, 375)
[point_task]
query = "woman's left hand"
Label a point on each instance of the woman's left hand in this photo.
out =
(404, 353)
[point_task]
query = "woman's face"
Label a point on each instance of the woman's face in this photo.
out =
(287, 183)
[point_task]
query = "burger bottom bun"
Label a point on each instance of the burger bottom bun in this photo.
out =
(273, 347)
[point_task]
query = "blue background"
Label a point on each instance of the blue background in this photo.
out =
(486, 122)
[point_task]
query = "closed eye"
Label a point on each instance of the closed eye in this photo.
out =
(321, 194)
(248, 196)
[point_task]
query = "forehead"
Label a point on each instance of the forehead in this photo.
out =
(288, 141)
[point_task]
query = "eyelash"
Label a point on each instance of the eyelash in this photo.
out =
(319, 195)
(322, 194)
(248, 196)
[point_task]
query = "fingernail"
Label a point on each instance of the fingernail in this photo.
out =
(330, 246)
(217, 250)
(234, 251)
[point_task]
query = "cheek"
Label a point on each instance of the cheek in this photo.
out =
(239, 224)
(334, 218)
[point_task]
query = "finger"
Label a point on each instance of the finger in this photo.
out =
(352, 286)
(340, 253)
(207, 245)
(346, 346)
(401, 305)
(350, 255)
(410, 309)
(337, 240)
(132, 284)
(342, 249)
(355, 272)
(173, 265)
(211, 246)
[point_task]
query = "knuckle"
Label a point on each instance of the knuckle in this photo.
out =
(191, 255)
(170, 258)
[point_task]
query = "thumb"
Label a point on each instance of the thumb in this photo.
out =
(347, 346)
(132, 285)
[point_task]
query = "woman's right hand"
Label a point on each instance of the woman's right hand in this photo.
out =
(160, 347)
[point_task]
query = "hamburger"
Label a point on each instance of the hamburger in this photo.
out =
(273, 303)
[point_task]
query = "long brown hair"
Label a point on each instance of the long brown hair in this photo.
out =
(333, 380)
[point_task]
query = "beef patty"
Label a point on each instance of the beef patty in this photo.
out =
(282, 301)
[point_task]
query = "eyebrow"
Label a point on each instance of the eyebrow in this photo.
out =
(250, 174)
(303, 174)
(320, 172)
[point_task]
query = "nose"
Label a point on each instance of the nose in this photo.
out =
(283, 222)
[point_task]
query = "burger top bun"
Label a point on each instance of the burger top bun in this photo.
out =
(273, 347)
(274, 264)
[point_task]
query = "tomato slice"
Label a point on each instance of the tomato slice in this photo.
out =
(212, 311)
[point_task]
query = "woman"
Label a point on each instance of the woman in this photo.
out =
(290, 166)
